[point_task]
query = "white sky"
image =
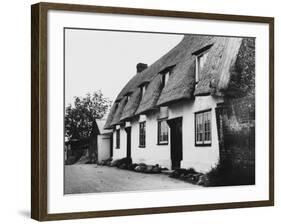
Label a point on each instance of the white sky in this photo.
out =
(106, 60)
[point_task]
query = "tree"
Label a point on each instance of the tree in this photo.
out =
(80, 117)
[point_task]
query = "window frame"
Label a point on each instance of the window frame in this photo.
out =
(159, 131)
(199, 53)
(143, 88)
(117, 142)
(165, 78)
(198, 57)
(203, 142)
(142, 134)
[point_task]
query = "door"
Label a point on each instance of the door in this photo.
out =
(111, 146)
(176, 141)
(128, 131)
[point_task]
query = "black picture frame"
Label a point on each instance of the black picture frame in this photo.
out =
(39, 106)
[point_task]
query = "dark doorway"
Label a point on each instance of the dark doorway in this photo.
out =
(111, 145)
(128, 131)
(176, 141)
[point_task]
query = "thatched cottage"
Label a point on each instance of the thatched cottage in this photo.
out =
(167, 113)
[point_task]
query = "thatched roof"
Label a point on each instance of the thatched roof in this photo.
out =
(169, 59)
(217, 69)
(243, 72)
(151, 95)
(132, 105)
(118, 112)
(180, 84)
(217, 73)
(110, 116)
(100, 124)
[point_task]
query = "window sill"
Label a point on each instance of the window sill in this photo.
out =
(163, 143)
(203, 145)
(141, 146)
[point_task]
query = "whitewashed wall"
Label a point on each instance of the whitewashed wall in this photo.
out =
(103, 147)
(153, 153)
(122, 151)
(201, 158)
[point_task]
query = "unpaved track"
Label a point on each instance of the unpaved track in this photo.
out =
(88, 178)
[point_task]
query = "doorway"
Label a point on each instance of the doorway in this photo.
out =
(111, 146)
(128, 131)
(176, 141)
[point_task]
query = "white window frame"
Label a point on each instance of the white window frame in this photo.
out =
(161, 142)
(143, 89)
(166, 78)
(117, 135)
(202, 56)
(204, 116)
(142, 142)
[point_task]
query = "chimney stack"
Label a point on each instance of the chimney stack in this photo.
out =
(141, 67)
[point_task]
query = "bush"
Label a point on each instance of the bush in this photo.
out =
(132, 166)
(228, 174)
(124, 163)
(188, 175)
(178, 172)
(140, 167)
(105, 162)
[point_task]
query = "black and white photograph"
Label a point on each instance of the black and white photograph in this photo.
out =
(148, 111)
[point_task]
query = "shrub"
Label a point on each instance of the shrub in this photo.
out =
(124, 163)
(132, 166)
(176, 173)
(228, 174)
(140, 168)
(105, 162)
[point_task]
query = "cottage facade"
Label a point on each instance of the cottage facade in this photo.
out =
(167, 113)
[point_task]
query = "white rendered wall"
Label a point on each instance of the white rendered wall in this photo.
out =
(153, 153)
(201, 158)
(103, 147)
(122, 151)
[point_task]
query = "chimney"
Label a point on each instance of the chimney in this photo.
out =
(141, 67)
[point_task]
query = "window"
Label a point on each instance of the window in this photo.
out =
(200, 61)
(203, 128)
(118, 139)
(165, 78)
(142, 135)
(163, 131)
(143, 88)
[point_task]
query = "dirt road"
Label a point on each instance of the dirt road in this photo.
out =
(88, 178)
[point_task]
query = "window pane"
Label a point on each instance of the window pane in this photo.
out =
(203, 128)
(118, 138)
(163, 131)
(142, 134)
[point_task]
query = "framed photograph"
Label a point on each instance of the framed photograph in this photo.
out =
(139, 111)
